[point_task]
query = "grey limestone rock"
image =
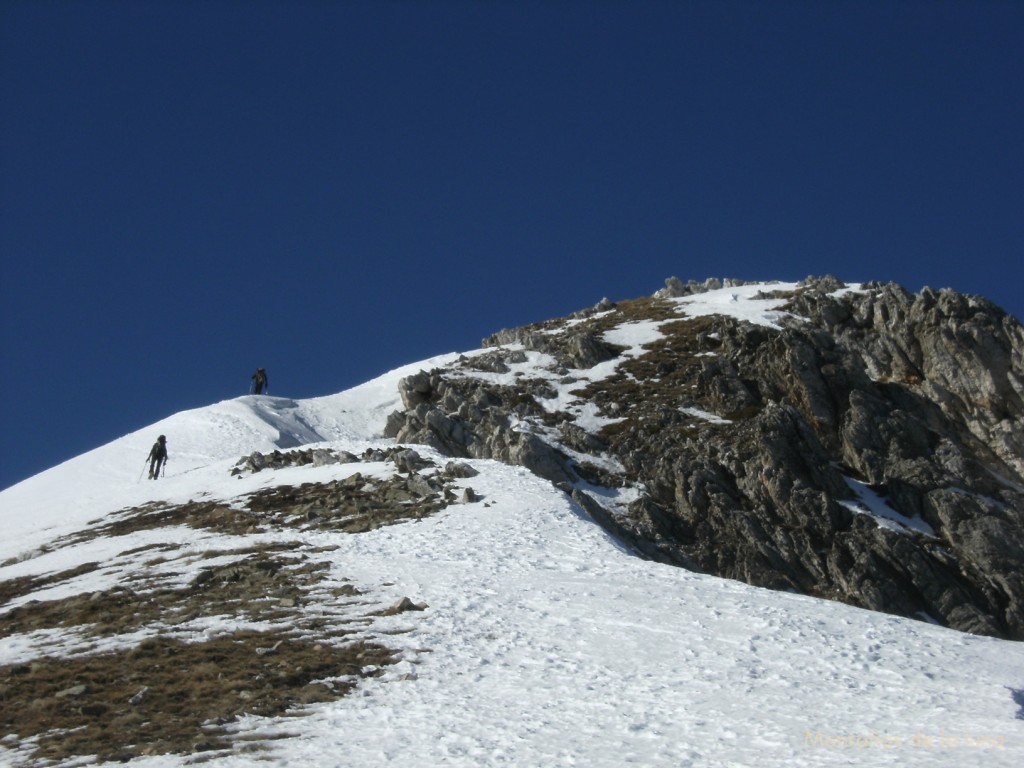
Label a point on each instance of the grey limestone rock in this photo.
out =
(870, 450)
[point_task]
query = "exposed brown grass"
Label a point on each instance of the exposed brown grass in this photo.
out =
(174, 691)
(169, 696)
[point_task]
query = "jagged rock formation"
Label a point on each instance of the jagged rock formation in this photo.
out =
(747, 450)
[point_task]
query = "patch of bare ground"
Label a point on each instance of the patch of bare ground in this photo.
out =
(26, 585)
(651, 388)
(629, 310)
(259, 586)
(167, 693)
(635, 310)
(169, 696)
(294, 632)
(354, 505)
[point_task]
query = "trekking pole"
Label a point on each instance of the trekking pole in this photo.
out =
(142, 472)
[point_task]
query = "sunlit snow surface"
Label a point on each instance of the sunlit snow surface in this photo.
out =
(743, 302)
(545, 643)
(870, 503)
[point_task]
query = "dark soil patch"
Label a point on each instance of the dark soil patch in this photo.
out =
(259, 586)
(168, 696)
(651, 389)
(354, 505)
(635, 310)
(210, 515)
(26, 585)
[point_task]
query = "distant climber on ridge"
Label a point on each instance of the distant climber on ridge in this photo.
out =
(157, 457)
(259, 382)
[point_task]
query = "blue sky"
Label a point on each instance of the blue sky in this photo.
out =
(189, 190)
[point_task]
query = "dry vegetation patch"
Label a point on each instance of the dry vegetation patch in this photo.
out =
(257, 586)
(264, 629)
(169, 693)
(169, 696)
(658, 383)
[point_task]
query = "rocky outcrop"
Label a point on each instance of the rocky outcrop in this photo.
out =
(870, 450)
(469, 418)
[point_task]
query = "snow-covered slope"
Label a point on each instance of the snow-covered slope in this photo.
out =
(62, 499)
(543, 643)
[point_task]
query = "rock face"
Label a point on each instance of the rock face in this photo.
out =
(868, 447)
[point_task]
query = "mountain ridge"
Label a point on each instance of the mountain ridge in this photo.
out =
(399, 603)
(818, 390)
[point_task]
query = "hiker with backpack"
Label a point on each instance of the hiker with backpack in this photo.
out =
(259, 381)
(157, 457)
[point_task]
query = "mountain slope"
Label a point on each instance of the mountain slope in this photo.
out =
(350, 601)
(65, 497)
(849, 442)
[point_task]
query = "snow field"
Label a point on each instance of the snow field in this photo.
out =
(545, 642)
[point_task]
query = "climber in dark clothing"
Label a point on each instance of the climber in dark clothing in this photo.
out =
(259, 382)
(157, 457)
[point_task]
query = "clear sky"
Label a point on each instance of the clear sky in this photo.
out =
(189, 190)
